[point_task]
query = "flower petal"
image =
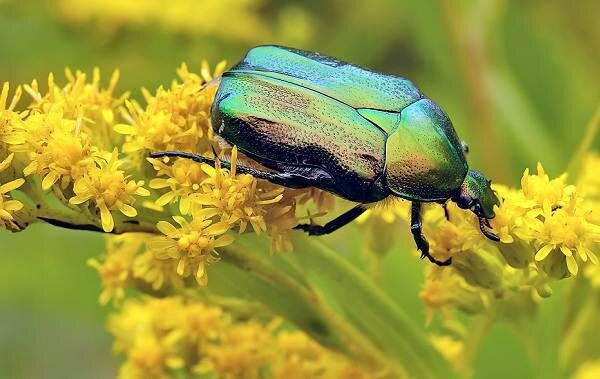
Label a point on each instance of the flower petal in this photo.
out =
(543, 252)
(166, 228)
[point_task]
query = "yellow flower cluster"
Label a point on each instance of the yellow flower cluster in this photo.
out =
(588, 370)
(61, 138)
(549, 230)
(183, 16)
(163, 338)
(7, 205)
(283, 22)
(85, 146)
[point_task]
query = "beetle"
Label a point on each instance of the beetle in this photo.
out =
(316, 121)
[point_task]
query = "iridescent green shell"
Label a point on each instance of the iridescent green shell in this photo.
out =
(367, 135)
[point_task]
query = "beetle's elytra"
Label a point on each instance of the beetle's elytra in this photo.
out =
(316, 121)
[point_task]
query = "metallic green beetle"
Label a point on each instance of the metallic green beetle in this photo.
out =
(316, 121)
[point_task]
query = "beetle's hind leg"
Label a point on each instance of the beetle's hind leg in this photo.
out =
(283, 179)
(333, 225)
(416, 227)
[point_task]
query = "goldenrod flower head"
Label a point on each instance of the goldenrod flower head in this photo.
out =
(588, 370)
(152, 357)
(180, 17)
(243, 351)
(452, 349)
(238, 199)
(452, 236)
(543, 192)
(389, 210)
(64, 155)
(192, 244)
(78, 99)
(156, 132)
(10, 121)
(114, 267)
(174, 119)
(444, 290)
(325, 201)
(150, 337)
(7, 205)
(156, 272)
(183, 178)
(159, 335)
(568, 232)
(302, 358)
(109, 189)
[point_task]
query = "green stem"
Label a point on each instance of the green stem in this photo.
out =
(372, 311)
(357, 345)
(478, 333)
(589, 136)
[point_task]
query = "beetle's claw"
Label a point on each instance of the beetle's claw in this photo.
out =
(423, 247)
(447, 262)
(483, 222)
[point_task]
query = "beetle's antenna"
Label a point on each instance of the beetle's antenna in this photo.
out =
(483, 222)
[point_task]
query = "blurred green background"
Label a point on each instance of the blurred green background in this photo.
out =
(519, 79)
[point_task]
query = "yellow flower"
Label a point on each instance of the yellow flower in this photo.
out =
(64, 155)
(156, 272)
(10, 120)
(91, 107)
(159, 335)
(388, 210)
(148, 334)
(444, 290)
(109, 188)
(183, 178)
(115, 266)
(181, 16)
(541, 192)
(238, 199)
(192, 245)
(588, 370)
(7, 205)
(299, 357)
(243, 351)
(325, 201)
(175, 119)
(152, 357)
(567, 231)
(511, 224)
(452, 349)
(448, 238)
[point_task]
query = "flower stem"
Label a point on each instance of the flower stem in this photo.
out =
(591, 131)
(352, 340)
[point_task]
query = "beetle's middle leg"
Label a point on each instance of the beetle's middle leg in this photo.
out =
(416, 227)
(333, 225)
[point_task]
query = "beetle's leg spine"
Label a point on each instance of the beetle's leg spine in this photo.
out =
(483, 222)
(416, 228)
(446, 213)
(333, 225)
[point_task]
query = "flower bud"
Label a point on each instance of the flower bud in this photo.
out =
(517, 254)
(480, 267)
(554, 265)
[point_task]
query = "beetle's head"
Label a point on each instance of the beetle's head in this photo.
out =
(476, 194)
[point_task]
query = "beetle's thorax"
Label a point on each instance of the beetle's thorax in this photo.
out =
(424, 158)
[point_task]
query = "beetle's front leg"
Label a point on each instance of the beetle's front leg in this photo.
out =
(416, 227)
